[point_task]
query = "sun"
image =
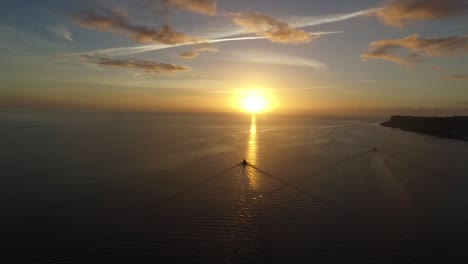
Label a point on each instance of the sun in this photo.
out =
(254, 100)
(254, 103)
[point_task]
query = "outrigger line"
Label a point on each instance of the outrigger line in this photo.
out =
(285, 184)
(198, 184)
(375, 225)
(244, 164)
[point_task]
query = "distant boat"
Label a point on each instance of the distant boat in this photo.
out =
(244, 163)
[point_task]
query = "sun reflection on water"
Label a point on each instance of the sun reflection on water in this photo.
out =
(251, 154)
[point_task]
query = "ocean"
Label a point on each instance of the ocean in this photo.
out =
(89, 187)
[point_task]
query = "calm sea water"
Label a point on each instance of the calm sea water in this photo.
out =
(167, 188)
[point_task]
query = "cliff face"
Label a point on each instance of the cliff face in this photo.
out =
(455, 127)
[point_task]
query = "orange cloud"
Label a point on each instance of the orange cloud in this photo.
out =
(417, 48)
(195, 52)
(145, 65)
(117, 21)
(207, 7)
(266, 26)
(399, 12)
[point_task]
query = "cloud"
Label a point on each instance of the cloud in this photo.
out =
(144, 65)
(301, 22)
(293, 21)
(458, 77)
(367, 81)
(125, 51)
(62, 32)
(117, 21)
(275, 30)
(230, 34)
(195, 52)
(399, 12)
(417, 48)
(259, 56)
(437, 28)
(26, 46)
(207, 7)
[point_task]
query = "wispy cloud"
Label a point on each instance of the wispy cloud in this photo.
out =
(400, 12)
(258, 56)
(273, 29)
(195, 52)
(295, 22)
(62, 32)
(366, 81)
(117, 21)
(308, 21)
(229, 35)
(207, 7)
(313, 88)
(125, 51)
(27, 46)
(144, 65)
(437, 28)
(417, 48)
(459, 77)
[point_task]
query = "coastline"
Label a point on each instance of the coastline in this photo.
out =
(455, 127)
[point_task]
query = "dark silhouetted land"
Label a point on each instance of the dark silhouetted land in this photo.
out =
(455, 127)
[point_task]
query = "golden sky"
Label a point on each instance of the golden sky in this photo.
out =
(300, 56)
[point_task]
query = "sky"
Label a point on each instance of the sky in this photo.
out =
(303, 56)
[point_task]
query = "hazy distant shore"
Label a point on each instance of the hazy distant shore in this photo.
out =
(455, 127)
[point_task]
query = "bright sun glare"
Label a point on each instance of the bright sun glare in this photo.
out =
(255, 103)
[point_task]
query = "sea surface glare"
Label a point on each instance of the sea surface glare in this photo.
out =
(84, 187)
